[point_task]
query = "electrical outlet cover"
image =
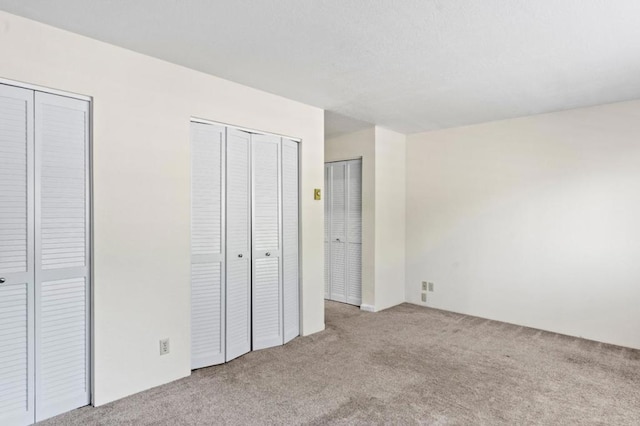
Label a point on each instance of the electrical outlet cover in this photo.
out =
(164, 346)
(424, 286)
(424, 297)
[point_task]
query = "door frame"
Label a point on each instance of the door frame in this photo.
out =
(244, 129)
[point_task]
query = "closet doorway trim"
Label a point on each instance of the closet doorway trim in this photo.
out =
(37, 88)
(244, 129)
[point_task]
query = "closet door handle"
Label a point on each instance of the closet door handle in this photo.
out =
(240, 255)
(267, 254)
(2, 280)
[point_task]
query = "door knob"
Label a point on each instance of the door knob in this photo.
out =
(338, 239)
(240, 255)
(267, 254)
(2, 280)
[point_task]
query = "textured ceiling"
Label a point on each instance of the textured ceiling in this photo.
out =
(409, 65)
(337, 124)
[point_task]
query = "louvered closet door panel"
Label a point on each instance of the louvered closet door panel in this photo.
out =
(354, 232)
(327, 231)
(338, 231)
(290, 260)
(354, 273)
(207, 245)
(354, 214)
(238, 243)
(267, 279)
(61, 254)
(62, 347)
(16, 257)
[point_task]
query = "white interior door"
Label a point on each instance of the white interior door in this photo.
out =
(338, 227)
(327, 231)
(343, 231)
(238, 243)
(354, 232)
(245, 263)
(290, 259)
(207, 245)
(62, 249)
(17, 380)
(267, 276)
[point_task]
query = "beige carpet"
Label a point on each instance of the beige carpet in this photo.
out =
(405, 365)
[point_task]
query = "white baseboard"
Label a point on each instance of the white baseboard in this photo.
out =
(368, 308)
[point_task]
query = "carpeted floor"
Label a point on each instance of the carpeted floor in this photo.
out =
(405, 365)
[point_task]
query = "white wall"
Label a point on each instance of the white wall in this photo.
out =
(390, 218)
(383, 210)
(142, 108)
(351, 146)
(532, 221)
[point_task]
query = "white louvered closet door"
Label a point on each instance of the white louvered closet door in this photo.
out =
(16, 257)
(338, 226)
(62, 250)
(354, 232)
(238, 243)
(343, 231)
(290, 259)
(267, 276)
(327, 231)
(207, 245)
